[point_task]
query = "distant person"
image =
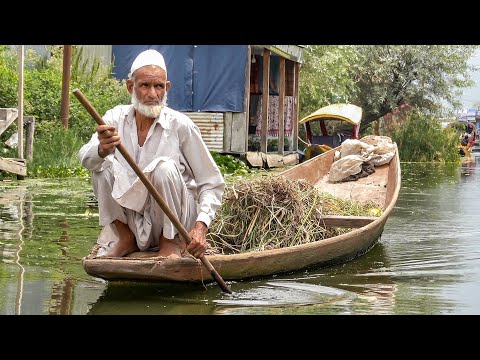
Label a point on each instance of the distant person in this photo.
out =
(168, 147)
(471, 134)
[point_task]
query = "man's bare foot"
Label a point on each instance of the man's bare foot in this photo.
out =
(126, 243)
(171, 248)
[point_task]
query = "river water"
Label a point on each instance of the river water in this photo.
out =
(426, 262)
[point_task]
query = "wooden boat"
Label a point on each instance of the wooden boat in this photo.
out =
(382, 187)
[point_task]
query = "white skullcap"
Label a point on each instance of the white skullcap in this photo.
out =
(148, 57)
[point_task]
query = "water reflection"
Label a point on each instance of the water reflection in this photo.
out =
(37, 268)
(468, 167)
(143, 298)
(426, 262)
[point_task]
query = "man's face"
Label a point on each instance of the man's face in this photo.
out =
(149, 90)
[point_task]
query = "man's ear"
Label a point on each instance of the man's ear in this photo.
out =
(130, 86)
(167, 86)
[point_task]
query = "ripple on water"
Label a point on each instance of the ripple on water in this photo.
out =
(285, 293)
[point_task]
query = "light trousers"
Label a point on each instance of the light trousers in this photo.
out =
(150, 222)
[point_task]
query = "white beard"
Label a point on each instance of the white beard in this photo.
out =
(150, 111)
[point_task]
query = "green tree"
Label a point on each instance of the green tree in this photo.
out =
(326, 75)
(9, 76)
(380, 78)
(387, 76)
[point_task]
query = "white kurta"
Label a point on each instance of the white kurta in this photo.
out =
(172, 136)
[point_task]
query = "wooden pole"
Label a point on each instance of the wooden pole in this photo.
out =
(29, 131)
(376, 127)
(65, 105)
(20, 101)
(21, 61)
(156, 195)
(265, 100)
(296, 105)
(281, 108)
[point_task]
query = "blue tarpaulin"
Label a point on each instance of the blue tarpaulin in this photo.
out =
(204, 77)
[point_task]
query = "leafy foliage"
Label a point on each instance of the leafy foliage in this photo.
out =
(9, 76)
(388, 76)
(326, 76)
(380, 78)
(97, 84)
(56, 153)
(55, 150)
(228, 164)
(43, 85)
(421, 138)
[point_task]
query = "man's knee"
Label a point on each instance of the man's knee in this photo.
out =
(165, 171)
(102, 181)
(103, 175)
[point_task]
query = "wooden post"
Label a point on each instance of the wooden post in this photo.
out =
(281, 108)
(246, 99)
(20, 101)
(376, 127)
(29, 131)
(67, 62)
(265, 100)
(297, 106)
(20, 106)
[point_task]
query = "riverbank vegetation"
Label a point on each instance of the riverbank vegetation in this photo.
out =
(421, 138)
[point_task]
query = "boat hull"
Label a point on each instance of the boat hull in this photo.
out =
(248, 265)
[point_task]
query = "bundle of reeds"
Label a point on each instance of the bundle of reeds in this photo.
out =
(274, 212)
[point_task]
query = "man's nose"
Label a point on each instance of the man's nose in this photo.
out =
(152, 92)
